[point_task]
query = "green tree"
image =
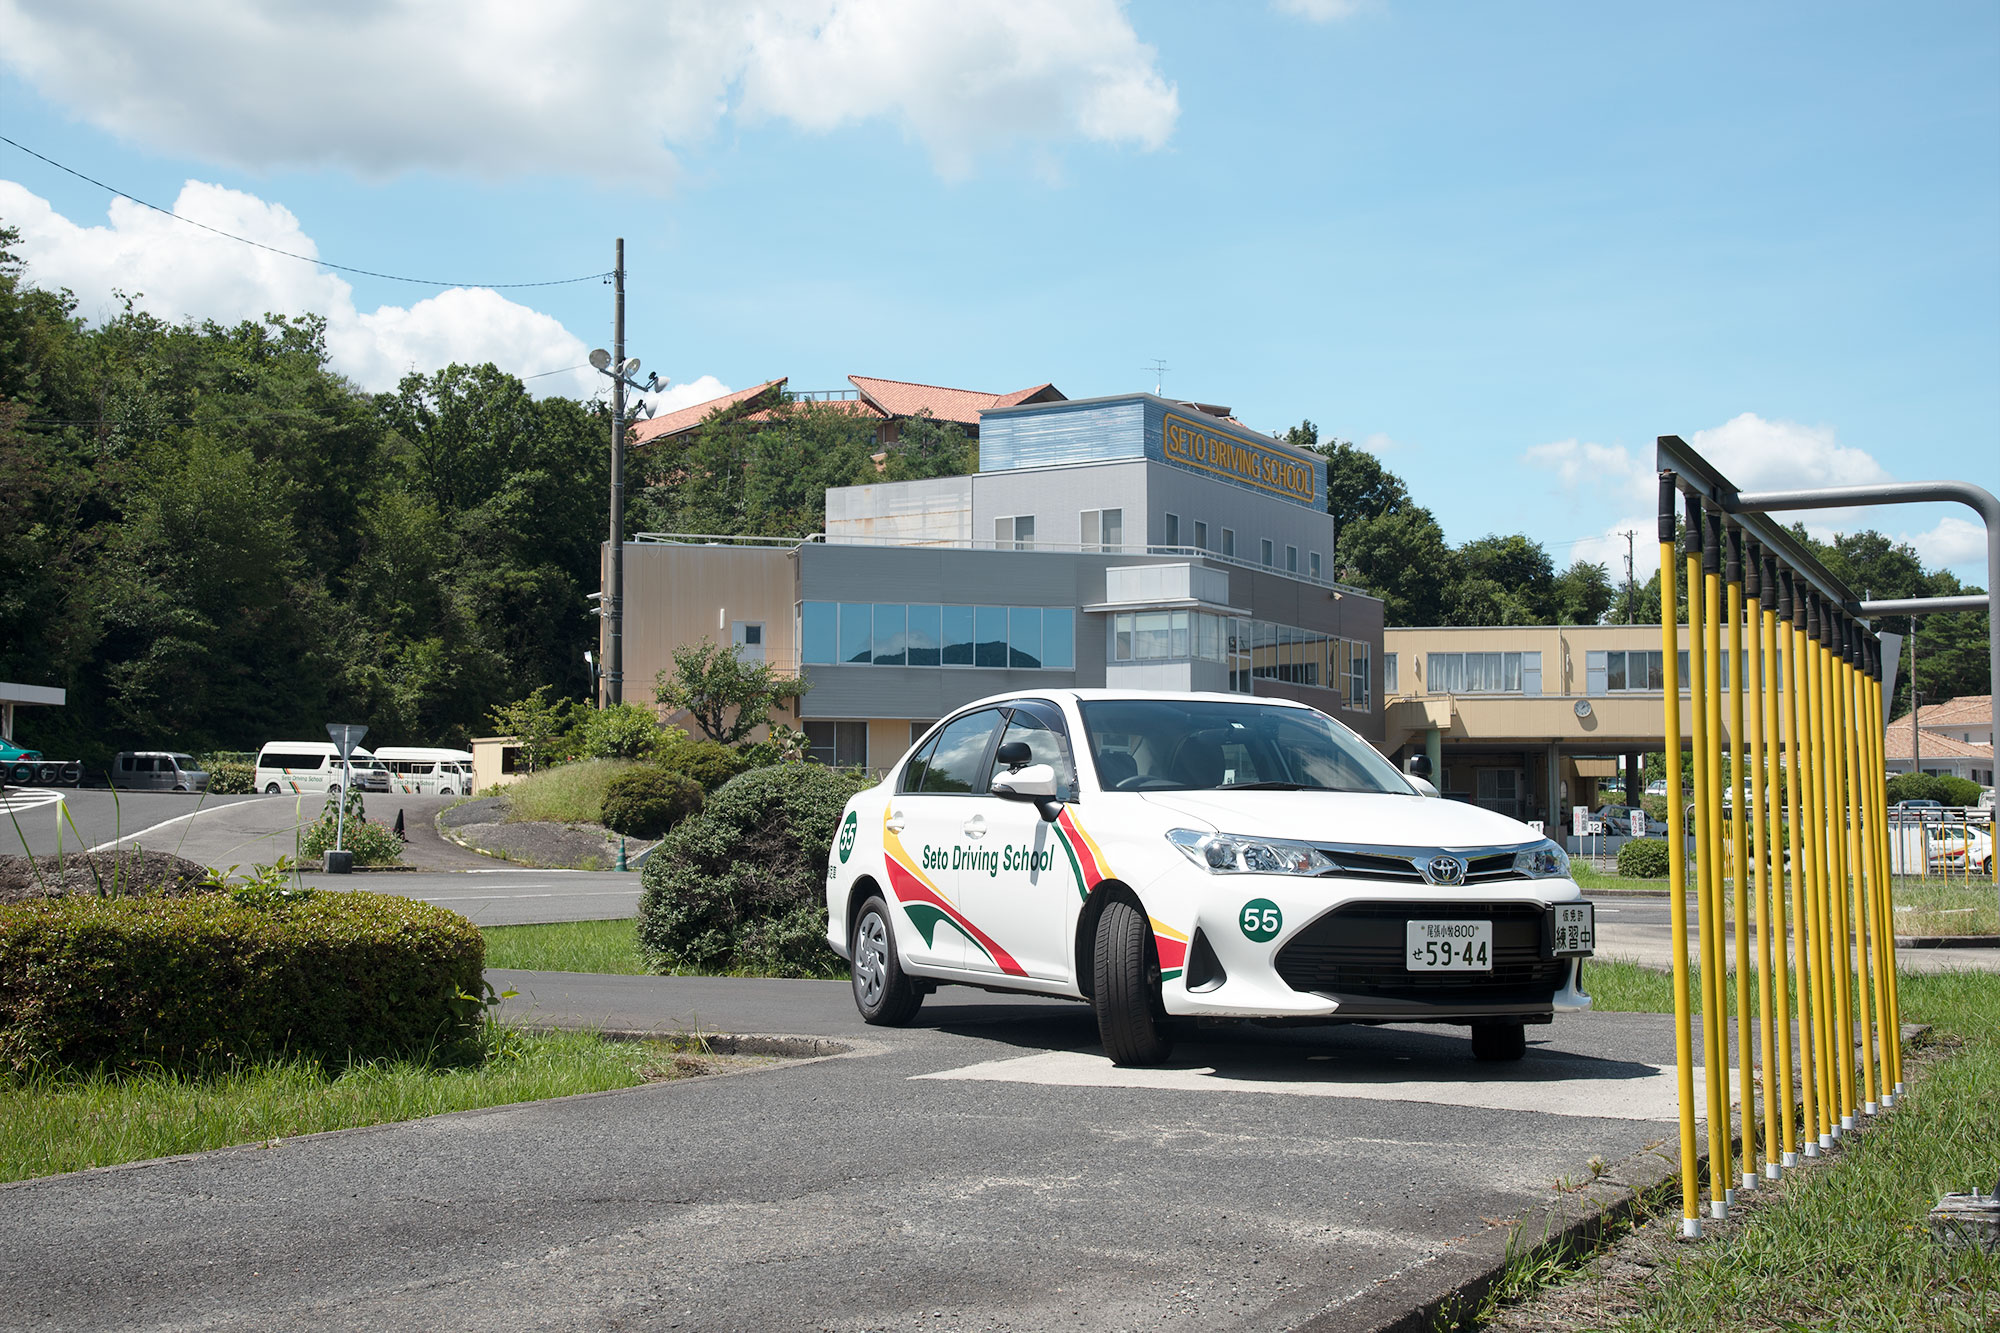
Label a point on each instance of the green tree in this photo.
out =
(926, 448)
(727, 696)
(541, 726)
(1403, 559)
(1504, 581)
(1583, 593)
(621, 731)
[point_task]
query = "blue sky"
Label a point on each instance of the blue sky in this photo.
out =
(1505, 247)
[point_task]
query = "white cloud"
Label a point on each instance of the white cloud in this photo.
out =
(1607, 469)
(600, 90)
(175, 271)
(1953, 543)
(1320, 11)
(1608, 548)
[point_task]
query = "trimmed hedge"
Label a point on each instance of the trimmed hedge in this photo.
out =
(649, 802)
(210, 980)
(1643, 858)
(227, 777)
(741, 887)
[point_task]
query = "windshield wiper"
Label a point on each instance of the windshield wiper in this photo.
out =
(1262, 786)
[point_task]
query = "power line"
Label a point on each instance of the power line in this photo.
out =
(288, 254)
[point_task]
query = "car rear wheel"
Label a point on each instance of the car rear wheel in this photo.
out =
(1126, 988)
(270, 789)
(883, 992)
(1499, 1041)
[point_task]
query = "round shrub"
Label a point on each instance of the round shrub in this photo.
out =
(227, 777)
(741, 887)
(647, 802)
(1643, 858)
(711, 763)
(215, 978)
(373, 844)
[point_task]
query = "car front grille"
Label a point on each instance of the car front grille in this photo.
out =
(1348, 862)
(1357, 950)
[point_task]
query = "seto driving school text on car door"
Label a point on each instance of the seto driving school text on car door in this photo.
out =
(1170, 856)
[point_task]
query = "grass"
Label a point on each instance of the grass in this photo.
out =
(568, 946)
(1937, 905)
(570, 794)
(51, 1123)
(1841, 1245)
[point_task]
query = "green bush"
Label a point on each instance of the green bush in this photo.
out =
(625, 731)
(711, 763)
(228, 777)
(1928, 787)
(1643, 858)
(216, 978)
(566, 794)
(648, 802)
(373, 844)
(741, 887)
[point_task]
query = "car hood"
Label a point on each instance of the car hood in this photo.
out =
(1357, 819)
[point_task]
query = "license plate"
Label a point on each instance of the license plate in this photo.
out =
(1576, 929)
(1448, 946)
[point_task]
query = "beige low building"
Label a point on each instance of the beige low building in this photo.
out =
(1529, 720)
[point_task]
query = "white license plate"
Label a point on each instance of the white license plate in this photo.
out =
(1576, 929)
(1448, 946)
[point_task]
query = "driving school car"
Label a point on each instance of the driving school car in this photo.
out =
(1196, 856)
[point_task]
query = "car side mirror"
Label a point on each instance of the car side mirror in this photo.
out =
(1423, 786)
(1420, 765)
(1014, 754)
(1035, 782)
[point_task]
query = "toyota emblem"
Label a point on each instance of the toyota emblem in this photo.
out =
(1447, 870)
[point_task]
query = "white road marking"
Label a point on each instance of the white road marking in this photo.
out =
(107, 846)
(510, 897)
(24, 799)
(1651, 1096)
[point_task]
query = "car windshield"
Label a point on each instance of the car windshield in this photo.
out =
(1203, 745)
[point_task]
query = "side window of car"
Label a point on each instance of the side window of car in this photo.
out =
(960, 754)
(913, 772)
(1047, 744)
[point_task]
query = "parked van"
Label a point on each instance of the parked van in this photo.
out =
(156, 770)
(314, 766)
(424, 770)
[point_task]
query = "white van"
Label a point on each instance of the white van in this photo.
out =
(314, 766)
(425, 770)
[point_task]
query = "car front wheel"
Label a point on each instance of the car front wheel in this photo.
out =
(1126, 988)
(883, 992)
(1499, 1041)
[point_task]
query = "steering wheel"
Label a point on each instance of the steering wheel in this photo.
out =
(1144, 782)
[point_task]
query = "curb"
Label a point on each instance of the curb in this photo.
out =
(1948, 941)
(1436, 1293)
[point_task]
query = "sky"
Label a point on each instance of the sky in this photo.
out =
(1503, 247)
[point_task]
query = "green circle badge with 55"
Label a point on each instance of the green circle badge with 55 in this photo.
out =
(848, 828)
(1261, 920)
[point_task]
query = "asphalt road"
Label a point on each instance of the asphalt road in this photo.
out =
(986, 1169)
(1640, 929)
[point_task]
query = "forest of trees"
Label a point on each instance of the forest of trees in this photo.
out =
(211, 539)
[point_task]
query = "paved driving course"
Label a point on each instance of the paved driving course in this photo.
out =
(985, 1169)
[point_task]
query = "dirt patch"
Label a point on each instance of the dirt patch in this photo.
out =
(483, 826)
(127, 871)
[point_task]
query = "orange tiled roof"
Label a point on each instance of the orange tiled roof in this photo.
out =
(900, 398)
(859, 407)
(1967, 709)
(687, 418)
(1896, 745)
(1036, 393)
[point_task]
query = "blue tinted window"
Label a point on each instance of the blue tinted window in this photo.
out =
(924, 636)
(1059, 638)
(1024, 636)
(819, 628)
(892, 626)
(857, 643)
(958, 636)
(990, 637)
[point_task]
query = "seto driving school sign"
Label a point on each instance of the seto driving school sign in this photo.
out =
(1267, 469)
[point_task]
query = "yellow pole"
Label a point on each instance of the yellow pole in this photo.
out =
(1677, 854)
(1840, 956)
(1823, 1000)
(1886, 1016)
(1774, 710)
(1797, 754)
(1753, 680)
(1857, 847)
(1716, 963)
(1746, 1051)
(1880, 782)
(1701, 626)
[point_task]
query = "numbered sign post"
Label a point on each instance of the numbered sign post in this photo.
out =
(345, 736)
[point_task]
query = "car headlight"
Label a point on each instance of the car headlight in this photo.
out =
(1542, 861)
(1234, 854)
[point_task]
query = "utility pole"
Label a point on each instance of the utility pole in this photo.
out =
(1631, 581)
(614, 678)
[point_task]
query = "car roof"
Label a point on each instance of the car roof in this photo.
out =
(1097, 694)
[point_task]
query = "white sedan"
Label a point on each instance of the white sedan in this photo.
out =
(1175, 856)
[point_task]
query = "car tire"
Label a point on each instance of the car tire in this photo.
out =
(180, 787)
(883, 992)
(333, 789)
(270, 789)
(1499, 1041)
(1126, 988)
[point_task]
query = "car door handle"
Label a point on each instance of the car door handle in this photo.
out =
(975, 827)
(894, 823)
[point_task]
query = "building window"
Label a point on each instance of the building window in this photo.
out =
(917, 730)
(1313, 565)
(929, 635)
(1291, 559)
(1229, 542)
(1017, 532)
(1103, 529)
(1360, 692)
(1168, 636)
(842, 744)
(1622, 672)
(1388, 674)
(1483, 673)
(1268, 553)
(1170, 531)
(1200, 535)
